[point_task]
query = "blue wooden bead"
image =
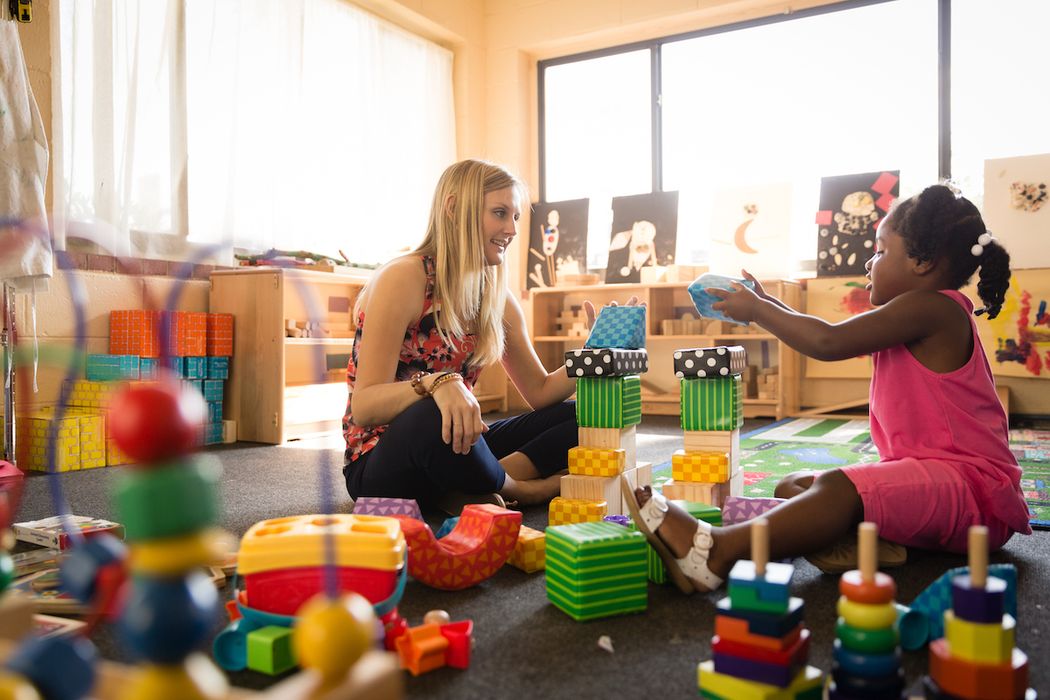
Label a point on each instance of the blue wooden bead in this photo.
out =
(80, 569)
(61, 668)
(863, 664)
(164, 619)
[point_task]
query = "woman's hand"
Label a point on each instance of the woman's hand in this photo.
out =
(461, 423)
(592, 314)
(740, 303)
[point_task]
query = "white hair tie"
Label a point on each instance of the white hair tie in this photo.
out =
(978, 248)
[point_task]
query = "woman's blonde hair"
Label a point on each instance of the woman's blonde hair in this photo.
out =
(470, 293)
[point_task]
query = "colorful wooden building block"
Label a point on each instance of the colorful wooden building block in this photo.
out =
(718, 361)
(700, 467)
(712, 404)
(763, 623)
(605, 362)
(980, 642)
(712, 441)
(618, 327)
(608, 402)
(611, 438)
(220, 335)
(422, 649)
(530, 551)
(937, 597)
(964, 679)
(711, 494)
(595, 461)
(480, 543)
(808, 684)
(768, 592)
(563, 511)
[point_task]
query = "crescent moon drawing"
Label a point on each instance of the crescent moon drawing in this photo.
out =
(740, 240)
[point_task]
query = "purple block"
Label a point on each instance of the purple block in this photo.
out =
(979, 604)
(368, 505)
(624, 520)
(760, 671)
(739, 509)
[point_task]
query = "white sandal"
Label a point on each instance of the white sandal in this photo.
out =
(689, 573)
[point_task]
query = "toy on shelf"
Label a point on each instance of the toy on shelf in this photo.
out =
(867, 656)
(477, 547)
(761, 645)
(437, 642)
(977, 658)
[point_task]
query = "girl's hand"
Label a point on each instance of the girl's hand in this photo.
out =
(740, 303)
(761, 293)
(461, 423)
(592, 314)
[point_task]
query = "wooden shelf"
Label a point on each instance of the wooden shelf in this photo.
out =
(318, 341)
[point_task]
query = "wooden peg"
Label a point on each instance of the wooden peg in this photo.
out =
(978, 547)
(868, 550)
(760, 545)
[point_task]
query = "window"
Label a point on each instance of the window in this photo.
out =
(292, 124)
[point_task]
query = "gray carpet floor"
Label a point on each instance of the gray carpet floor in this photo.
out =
(527, 648)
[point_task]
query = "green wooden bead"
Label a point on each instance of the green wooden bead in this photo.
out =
(177, 498)
(880, 641)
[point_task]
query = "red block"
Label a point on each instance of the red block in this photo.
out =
(479, 545)
(220, 335)
(736, 630)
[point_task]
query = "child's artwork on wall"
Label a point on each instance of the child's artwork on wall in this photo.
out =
(557, 241)
(836, 300)
(851, 207)
(1017, 341)
(1017, 207)
(750, 230)
(644, 230)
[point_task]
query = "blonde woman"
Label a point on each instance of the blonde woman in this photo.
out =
(428, 323)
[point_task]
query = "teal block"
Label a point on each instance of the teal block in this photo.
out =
(195, 367)
(218, 368)
(215, 412)
(618, 327)
(197, 384)
(213, 433)
(270, 650)
(213, 390)
(108, 368)
(147, 368)
(176, 365)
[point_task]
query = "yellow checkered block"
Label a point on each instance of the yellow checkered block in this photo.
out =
(31, 442)
(595, 461)
(704, 467)
(566, 511)
(92, 433)
(530, 551)
(711, 494)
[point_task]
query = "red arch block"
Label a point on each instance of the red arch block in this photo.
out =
(479, 545)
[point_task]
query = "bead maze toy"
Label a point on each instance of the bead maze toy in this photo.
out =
(867, 656)
(977, 658)
(761, 646)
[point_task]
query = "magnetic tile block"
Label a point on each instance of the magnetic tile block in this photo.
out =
(270, 651)
(618, 327)
(809, 683)
(766, 624)
(700, 467)
(530, 552)
(611, 438)
(605, 362)
(739, 509)
(962, 678)
(195, 367)
(218, 367)
(712, 441)
(704, 301)
(980, 642)
(106, 368)
(769, 592)
(595, 461)
(614, 402)
(213, 390)
(717, 361)
(712, 404)
(563, 511)
(220, 335)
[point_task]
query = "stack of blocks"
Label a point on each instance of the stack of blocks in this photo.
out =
(608, 408)
(761, 645)
(867, 656)
(977, 658)
(596, 569)
(712, 402)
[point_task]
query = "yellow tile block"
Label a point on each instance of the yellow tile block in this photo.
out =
(564, 511)
(596, 461)
(92, 434)
(703, 467)
(32, 437)
(530, 551)
(980, 642)
(85, 394)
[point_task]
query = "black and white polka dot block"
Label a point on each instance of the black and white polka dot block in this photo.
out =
(719, 361)
(605, 362)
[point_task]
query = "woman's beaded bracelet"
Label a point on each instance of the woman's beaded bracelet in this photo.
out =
(443, 379)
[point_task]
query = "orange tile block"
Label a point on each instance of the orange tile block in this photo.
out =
(188, 333)
(134, 332)
(220, 335)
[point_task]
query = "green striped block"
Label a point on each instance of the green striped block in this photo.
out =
(608, 402)
(657, 570)
(596, 569)
(702, 511)
(712, 404)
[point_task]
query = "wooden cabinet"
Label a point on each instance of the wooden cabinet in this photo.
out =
(553, 334)
(285, 388)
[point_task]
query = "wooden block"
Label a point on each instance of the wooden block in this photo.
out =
(712, 441)
(592, 488)
(738, 630)
(768, 624)
(16, 615)
(530, 552)
(774, 585)
(563, 511)
(711, 494)
(700, 467)
(667, 326)
(651, 274)
(596, 461)
(612, 438)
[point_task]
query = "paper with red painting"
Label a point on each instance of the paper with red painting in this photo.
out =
(1017, 341)
(836, 299)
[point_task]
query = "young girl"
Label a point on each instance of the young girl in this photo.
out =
(427, 323)
(935, 417)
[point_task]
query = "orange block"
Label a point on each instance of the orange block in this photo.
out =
(476, 548)
(134, 332)
(421, 649)
(736, 630)
(187, 333)
(530, 551)
(966, 679)
(220, 335)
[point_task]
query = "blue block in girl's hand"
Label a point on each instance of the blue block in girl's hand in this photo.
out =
(618, 327)
(703, 301)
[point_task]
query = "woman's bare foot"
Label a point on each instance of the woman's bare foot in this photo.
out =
(677, 531)
(529, 492)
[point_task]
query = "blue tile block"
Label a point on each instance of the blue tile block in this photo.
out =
(218, 368)
(197, 384)
(176, 365)
(215, 411)
(106, 368)
(147, 368)
(703, 301)
(774, 586)
(618, 327)
(213, 433)
(195, 367)
(213, 390)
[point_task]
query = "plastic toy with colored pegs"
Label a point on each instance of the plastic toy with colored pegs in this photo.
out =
(761, 646)
(977, 658)
(437, 642)
(867, 656)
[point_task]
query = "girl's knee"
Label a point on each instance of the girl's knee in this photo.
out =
(794, 483)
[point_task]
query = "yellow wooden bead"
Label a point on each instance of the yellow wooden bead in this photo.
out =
(16, 687)
(980, 642)
(196, 679)
(331, 634)
(867, 617)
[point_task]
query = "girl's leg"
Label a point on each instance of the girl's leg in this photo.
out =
(814, 519)
(794, 483)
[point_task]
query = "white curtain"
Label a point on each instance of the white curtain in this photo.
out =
(293, 124)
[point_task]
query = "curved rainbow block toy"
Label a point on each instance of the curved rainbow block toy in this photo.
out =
(476, 548)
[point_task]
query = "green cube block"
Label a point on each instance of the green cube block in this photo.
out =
(608, 402)
(270, 650)
(701, 511)
(715, 403)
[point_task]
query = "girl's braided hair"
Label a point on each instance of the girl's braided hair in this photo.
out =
(938, 225)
